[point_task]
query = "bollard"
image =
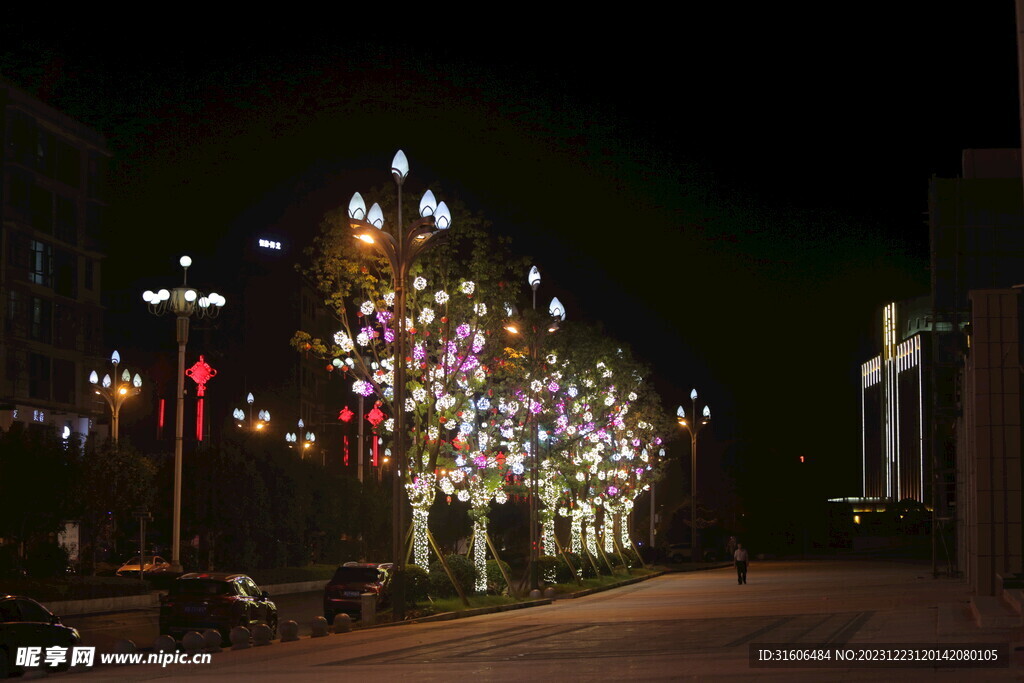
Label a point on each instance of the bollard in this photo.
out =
(368, 609)
(211, 640)
(289, 631)
(239, 638)
(125, 647)
(535, 594)
(192, 641)
(549, 592)
(165, 644)
(261, 635)
(319, 627)
(342, 623)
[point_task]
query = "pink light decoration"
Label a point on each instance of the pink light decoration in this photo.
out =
(552, 386)
(389, 335)
(375, 417)
(462, 331)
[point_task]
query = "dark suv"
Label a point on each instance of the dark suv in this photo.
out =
(343, 593)
(26, 623)
(219, 601)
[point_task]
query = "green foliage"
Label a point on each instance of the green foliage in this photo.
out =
(417, 584)
(563, 572)
(46, 560)
(463, 571)
(496, 584)
(548, 564)
(36, 471)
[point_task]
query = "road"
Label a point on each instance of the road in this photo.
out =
(683, 626)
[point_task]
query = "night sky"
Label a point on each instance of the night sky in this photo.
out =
(734, 193)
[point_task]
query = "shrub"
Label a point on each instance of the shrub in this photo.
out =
(547, 568)
(417, 584)
(496, 584)
(47, 560)
(463, 571)
(563, 573)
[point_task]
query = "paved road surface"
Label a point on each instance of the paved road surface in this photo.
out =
(685, 626)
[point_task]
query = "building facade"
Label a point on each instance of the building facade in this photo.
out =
(52, 204)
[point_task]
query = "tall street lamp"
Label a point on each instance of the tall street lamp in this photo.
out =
(116, 391)
(263, 416)
(400, 247)
(533, 327)
(693, 426)
(184, 303)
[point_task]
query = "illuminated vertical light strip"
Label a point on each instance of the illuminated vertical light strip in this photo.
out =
(549, 537)
(592, 535)
(864, 371)
(920, 411)
(576, 531)
(896, 421)
(888, 316)
(480, 554)
(421, 553)
(624, 539)
(609, 531)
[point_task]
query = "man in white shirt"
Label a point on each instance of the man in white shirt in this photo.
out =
(741, 558)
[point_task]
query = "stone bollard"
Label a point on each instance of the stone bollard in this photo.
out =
(342, 623)
(261, 635)
(211, 640)
(549, 592)
(165, 644)
(289, 631)
(192, 641)
(535, 594)
(125, 647)
(319, 627)
(239, 638)
(368, 609)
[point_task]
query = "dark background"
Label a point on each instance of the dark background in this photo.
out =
(735, 193)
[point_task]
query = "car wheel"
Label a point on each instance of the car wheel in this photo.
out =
(5, 669)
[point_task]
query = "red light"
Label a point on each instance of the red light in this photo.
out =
(801, 458)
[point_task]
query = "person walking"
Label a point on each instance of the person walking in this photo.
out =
(741, 557)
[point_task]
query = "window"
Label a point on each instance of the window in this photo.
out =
(20, 193)
(42, 320)
(41, 263)
(63, 380)
(69, 164)
(65, 281)
(65, 326)
(17, 313)
(89, 274)
(45, 152)
(42, 209)
(96, 176)
(67, 220)
(22, 137)
(38, 376)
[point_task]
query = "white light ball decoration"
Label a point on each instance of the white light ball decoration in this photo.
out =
(467, 287)
(441, 297)
(500, 497)
(463, 495)
(367, 308)
(419, 284)
(185, 261)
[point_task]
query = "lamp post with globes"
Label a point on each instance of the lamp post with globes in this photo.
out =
(693, 426)
(400, 247)
(115, 392)
(533, 326)
(184, 303)
(263, 417)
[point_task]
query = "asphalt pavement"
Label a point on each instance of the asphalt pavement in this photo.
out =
(679, 626)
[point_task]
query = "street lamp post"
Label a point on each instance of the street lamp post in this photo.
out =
(401, 248)
(115, 392)
(533, 327)
(262, 417)
(183, 302)
(693, 426)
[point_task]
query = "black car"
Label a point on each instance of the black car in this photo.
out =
(343, 593)
(26, 623)
(216, 600)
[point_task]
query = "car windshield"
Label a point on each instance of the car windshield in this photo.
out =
(356, 575)
(201, 587)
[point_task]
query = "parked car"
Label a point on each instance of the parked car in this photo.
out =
(220, 600)
(680, 552)
(343, 593)
(26, 623)
(153, 564)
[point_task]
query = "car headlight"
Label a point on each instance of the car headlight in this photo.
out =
(76, 637)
